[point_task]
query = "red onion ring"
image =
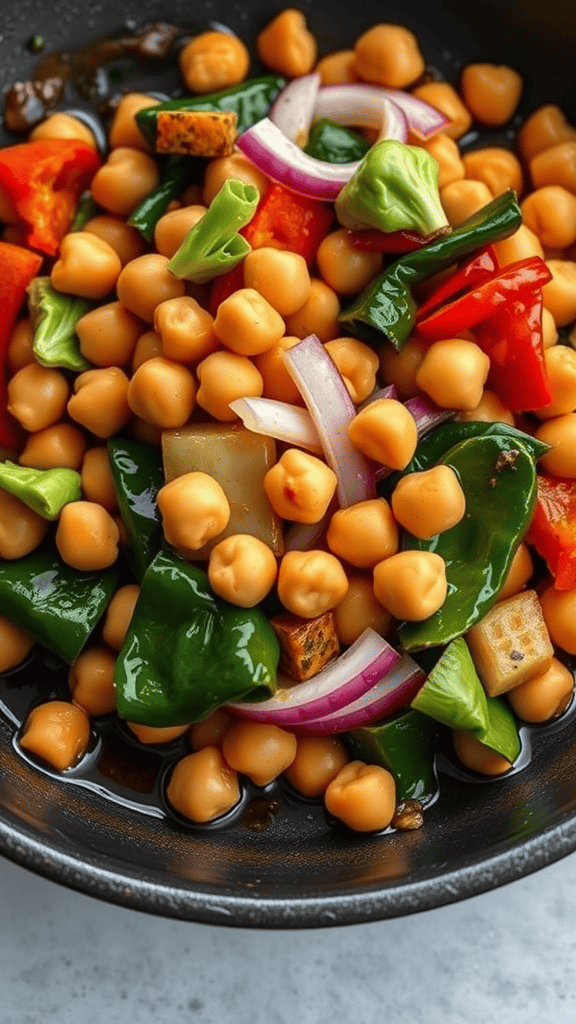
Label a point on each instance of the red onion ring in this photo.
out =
(335, 101)
(293, 109)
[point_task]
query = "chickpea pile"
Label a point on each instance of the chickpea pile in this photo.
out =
(160, 359)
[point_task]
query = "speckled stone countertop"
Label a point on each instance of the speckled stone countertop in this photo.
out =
(506, 956)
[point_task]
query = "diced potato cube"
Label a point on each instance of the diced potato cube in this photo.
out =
(238, 459)
(196, 133)
(511, 643)
(306, 645)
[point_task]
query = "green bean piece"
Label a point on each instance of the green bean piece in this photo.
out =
(213, 246)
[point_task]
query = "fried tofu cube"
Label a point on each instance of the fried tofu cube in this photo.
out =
(306, 645)
(203, 133)
(511, 643)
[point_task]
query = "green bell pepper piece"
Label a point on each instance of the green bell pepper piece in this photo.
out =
(454, 696)
(138, 476)
(213, 246)
(85, 210)
(499, 482)
(45, 491)
(54, 317)
(178, 172)
(386, 309)
(395, 188)
(331, 142)
(187, 652)
(250, 101)
(59, 606)
(404, 744)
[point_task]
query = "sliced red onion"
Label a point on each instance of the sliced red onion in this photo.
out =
(283, 161)
(331, 408)
(342, 682)
(293, 109)
(388, 392)
(427, 414)
(289, 423)
(306, 536)
(335, 101)
(394, 691)
(364, 108)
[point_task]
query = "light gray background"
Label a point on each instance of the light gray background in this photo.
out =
(506, 957)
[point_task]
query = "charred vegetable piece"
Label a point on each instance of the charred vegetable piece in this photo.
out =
(404, 744)
(511, 643)
(201, 133)
(137, 471)
(306, 645)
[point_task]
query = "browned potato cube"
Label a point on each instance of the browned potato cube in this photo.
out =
(306, 645)
(511, 643)
(196, 133)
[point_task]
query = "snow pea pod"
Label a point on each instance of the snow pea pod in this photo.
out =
(499, 481)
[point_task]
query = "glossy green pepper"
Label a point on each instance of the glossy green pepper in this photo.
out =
(404, 744)
(331, 142)
(386, 309)
(187, 652)
(45, 491)
(59, 606)
(138, 476)
(179, 171)
(499, 482)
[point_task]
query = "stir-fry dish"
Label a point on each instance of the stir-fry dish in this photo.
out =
(288, 420)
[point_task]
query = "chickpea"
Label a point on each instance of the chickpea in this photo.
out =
(21, 529)
(363, 796)
(498, 168)
(363, 534)
(87, 266)
(544, 696)
(242, 570)
(337, 68)
(277, 382)
(491, 92)
(262, 752)
(318, 761)
(280, 276)
(97, 479)
(300, 487)
(477, 756)
(156, 736)
(549, 329)
(126, 241)
(447, 155)
(429, 502)
(162, 392)
(186, 330)
(91, 681)
(58, 733)
(560, 433)
(559, 294)
(236, 166)
(146, 282)
(318, 315)
(108, 335)
(174, 226)
(550, 212)
(247, 324)
(209, 732)
(119, 614)
(520, 571)
(560, 363)
(124, 130)
(127, 177)
(286, 45)
(87, 536)
(20, 351)
(37, 396)
(63, 126)
(544, 128)
(347, 270)
(194, 510)
(453, 373)
(60, 445)
(310, 582)
(15, 644)
(400, 368)
(357, 365)
(519, 246)
(388, 55)
(100, 402)
(489, 410)
(411, 585)
(358, 610)
(559, 613)
(148, 346)
(555, 166)
(224, 377)
(213, 61)
(462, 198)
(202, 786)
(386, 432)
(444, 97)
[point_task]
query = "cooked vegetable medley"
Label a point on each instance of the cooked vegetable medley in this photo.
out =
(288, 423)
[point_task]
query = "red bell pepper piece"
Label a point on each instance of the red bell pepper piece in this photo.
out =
(502, 287)
(373, 240)
(225, 285)
(285, 220)
(553, 528)
(42, 181)
(17, 268)
(470, 274)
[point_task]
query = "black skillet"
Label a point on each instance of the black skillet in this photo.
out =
(103, 831)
